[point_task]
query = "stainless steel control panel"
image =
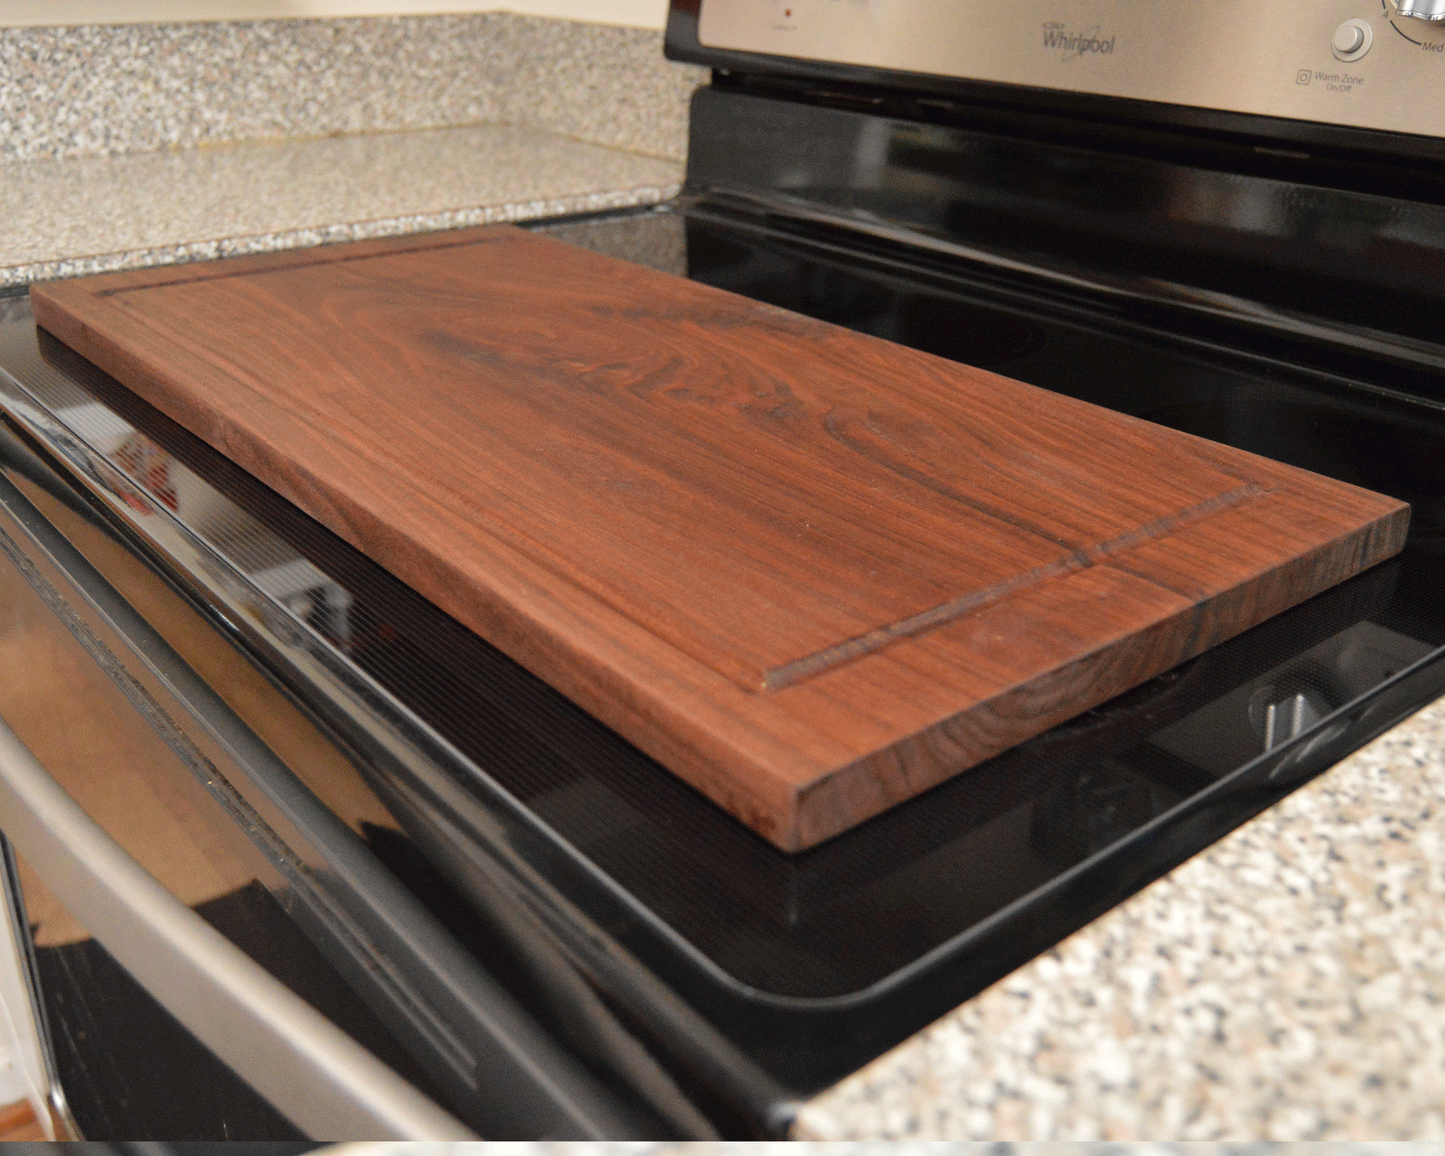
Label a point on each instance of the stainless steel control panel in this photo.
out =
(1362, 63)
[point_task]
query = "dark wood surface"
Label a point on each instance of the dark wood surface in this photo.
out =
(812, 572)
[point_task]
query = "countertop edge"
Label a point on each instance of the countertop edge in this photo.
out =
(1287, 983)
(510, 212)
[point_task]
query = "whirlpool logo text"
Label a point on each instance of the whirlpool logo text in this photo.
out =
(1076, 44)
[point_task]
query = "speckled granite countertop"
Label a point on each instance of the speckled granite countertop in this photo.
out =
(131, 145)
(92, 214)
(1286, 984)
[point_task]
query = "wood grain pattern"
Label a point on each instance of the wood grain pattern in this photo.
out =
(18, 1122)
(812, 572)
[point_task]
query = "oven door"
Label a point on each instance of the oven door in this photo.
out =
(216, 954)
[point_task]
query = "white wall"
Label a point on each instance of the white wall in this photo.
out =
(13, 13)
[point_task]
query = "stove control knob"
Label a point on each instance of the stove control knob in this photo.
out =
(1353, 38)
(1421, 9)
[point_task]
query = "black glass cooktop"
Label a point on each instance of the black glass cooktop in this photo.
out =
(810, 964)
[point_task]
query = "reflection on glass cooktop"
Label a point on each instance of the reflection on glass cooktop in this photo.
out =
(945, 893)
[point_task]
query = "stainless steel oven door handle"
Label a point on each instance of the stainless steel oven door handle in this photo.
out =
(308, 1069)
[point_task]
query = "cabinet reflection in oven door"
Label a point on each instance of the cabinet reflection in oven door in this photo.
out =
(215, 954)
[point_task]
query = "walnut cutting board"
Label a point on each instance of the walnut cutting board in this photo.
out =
(812, 572)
